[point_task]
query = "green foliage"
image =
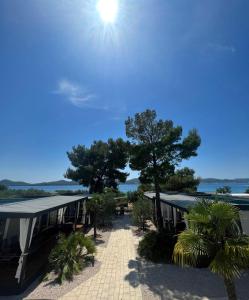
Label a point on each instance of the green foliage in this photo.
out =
(100, 165)
(157, 149)
(102, 206)
(247, 191)
(142, 211)
(214, 234)
(224, 190)
(146, 188)
(182, 181)
(134, 196)
(3, 187)
(68, 256)
(70, 192)
(30, 193)
(114, 192)
(157, 246)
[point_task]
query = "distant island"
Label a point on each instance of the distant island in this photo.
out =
(8, 182)
(62, 182)
(132, 181)
(204, 180)
(217, 180)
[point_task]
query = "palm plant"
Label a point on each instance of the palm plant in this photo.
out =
(214, 233)
(67, 258)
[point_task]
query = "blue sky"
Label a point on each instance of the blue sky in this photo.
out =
(67, 78)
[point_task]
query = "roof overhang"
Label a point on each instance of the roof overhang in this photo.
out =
(34, 207)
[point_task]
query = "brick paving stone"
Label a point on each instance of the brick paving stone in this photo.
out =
(118, 276)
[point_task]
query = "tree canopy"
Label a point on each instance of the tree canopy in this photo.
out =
(142, 211)
(157, 148)
(182, 181)
(224, 190)
(100, 165)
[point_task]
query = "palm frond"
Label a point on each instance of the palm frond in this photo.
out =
(238, 250)
(223, 213)
(189, 247)
(224, 266)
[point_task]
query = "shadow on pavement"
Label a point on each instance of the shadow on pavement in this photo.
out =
(170, 282)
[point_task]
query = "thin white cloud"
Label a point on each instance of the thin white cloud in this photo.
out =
(76, 94)
(222, 48)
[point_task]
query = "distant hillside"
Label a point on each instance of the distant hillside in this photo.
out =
(62, 182)
(8, 182)
(133, 181)
(204, 180)
(216, 180)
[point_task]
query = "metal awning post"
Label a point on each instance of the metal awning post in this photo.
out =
(75, 215)
(25, 254)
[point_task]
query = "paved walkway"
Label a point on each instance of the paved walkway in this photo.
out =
(118, 277)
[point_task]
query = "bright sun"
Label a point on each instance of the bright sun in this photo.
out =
(108, 10)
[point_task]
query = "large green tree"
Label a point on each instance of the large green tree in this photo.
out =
(100, 165)
(157, 148)
(214, 234)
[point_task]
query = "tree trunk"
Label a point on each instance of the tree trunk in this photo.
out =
(230, 287)
(95, 227)
(159, 217)
(154, 210)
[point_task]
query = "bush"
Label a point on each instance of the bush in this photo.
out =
(70, 193)
(157, 246)
(68, 257)
(146, 187)
(183, 180)
(114, 192)
(134, 196)
(102, 207)
(142, 211)
(224, 190)
(247, 191)
(3, 187)
(30, 193)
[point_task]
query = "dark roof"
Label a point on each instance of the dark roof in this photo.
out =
(177, 200)
(185, 202)
(31, 208)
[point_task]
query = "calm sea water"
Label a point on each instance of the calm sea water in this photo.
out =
(203, 187)
(52, 188)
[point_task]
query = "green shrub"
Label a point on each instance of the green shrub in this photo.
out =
(142, 211)
(183, 180)
(146, 187)
(157, 246)
(70, 193)
(224, 190)
(29, 193)
(3, 187)
(134, 196)
(68, 257)
(102, 207)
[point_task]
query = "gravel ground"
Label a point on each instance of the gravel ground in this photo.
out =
(51, 290)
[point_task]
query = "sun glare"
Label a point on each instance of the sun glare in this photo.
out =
(108, 10)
